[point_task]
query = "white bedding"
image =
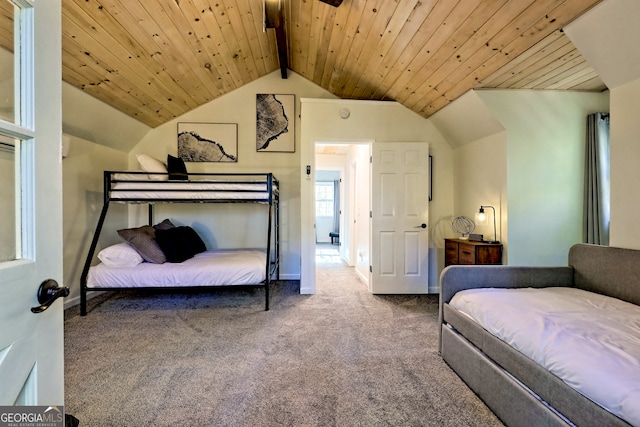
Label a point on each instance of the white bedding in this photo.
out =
(590, 341)
(210, 268)
(186, 190)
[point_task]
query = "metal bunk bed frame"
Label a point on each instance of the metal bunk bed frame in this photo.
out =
(272, 200)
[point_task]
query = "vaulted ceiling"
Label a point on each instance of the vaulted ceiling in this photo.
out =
(158, 59)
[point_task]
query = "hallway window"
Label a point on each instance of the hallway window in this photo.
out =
(324, 199)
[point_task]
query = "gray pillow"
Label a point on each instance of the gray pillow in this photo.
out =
(143, 240)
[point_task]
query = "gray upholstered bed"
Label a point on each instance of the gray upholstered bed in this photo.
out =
(518, 389)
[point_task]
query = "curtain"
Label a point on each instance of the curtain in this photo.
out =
(596, 181)
(336, 206)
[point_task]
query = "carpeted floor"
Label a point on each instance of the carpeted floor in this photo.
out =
(342, 357)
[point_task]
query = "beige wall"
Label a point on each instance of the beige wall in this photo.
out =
(82, 181)
(529, 165)
(544, 169)
(86, 117)
(625, 173)
(480, 178)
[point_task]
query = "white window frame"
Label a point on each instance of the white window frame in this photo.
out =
(23, 129)
(319, 201)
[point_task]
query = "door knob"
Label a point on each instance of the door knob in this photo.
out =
(421, 226)
(48, 292)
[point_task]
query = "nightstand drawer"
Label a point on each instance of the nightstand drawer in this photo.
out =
(458, 251)
(489, 255)
(450, 252)
(466, 254)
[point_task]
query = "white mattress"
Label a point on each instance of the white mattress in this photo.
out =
(187, 190)
(210, 268)
(590, 341)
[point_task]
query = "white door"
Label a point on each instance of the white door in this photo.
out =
(31, 345)
(399, 218)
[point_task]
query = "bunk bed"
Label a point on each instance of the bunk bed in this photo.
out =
(206, 269)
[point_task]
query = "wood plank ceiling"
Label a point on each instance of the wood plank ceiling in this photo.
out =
(157, 59)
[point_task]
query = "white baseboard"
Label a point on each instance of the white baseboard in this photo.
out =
(364, 279)
(72, 302)
(291, 276)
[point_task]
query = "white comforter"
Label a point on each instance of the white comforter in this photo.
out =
(210, 268)
(590, 341)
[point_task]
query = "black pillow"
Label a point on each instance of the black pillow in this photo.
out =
(179, 243)
(164, 225)
(176, 168)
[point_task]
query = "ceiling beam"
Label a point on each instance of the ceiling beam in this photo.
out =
(283, 57)
(274, 18)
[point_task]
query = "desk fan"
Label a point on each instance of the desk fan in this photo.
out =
(463, 225)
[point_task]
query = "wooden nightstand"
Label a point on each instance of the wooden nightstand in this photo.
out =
(464, 252)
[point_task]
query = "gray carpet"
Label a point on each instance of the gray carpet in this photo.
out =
(342, 357)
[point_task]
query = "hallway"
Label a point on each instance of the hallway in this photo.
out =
(331, 269)
(326, 253)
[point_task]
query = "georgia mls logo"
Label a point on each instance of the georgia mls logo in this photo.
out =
(31, 416)
(54, 411)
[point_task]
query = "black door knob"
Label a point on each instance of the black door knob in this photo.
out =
(48, 292)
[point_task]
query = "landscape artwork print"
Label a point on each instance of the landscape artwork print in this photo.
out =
(208, 142)
(275, 121)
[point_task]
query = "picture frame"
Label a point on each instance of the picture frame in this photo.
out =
(208, 142)
(275, 123)
(430, 178)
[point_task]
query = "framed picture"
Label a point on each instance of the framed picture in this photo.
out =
(430, 178)
(275, 123)
(208, 142)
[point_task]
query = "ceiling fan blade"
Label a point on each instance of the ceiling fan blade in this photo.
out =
(334, 3)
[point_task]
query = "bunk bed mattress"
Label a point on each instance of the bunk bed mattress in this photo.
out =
(590, 341)
(136, 189)
(209, 268)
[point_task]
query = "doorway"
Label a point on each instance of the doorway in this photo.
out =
(345, 166)
(391, 240)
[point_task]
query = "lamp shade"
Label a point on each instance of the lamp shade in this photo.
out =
(481, 215)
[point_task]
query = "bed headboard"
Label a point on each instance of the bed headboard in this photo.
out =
(607, 270)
